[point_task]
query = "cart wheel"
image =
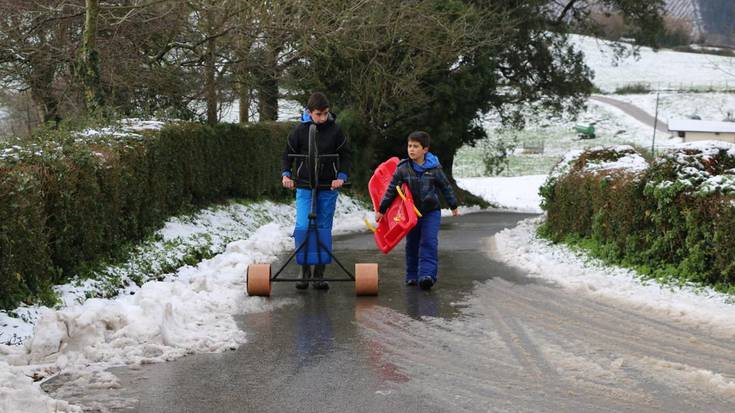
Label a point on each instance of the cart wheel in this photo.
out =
(366, 279)
(259, 279)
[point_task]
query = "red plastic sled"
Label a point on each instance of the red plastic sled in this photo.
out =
(400, 217)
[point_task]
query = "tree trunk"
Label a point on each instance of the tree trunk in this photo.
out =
(210, 84)
(41, 79)
(244, 95)
(268, 87)
(243, 75)
(210, 71)
(89, 59)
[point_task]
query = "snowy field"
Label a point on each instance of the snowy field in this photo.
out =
(555, 137)
(519, 193)
(613, 127)
(708, 106)
(665, 69)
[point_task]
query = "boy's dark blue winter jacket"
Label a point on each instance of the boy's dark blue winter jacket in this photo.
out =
(423, 181)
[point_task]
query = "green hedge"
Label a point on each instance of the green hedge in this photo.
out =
(67, 201)
(674, 220)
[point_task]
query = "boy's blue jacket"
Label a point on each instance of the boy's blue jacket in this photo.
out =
(423, 181)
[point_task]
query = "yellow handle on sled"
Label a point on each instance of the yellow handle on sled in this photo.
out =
(403, 197)
(369, 225)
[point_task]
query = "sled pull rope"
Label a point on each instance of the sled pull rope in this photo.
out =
(403, 197)
(369, 225)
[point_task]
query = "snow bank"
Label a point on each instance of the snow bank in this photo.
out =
(18, 393)
(520, 247)
(189, 312)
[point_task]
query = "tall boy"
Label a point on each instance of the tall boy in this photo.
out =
(423, 174)
(330, 140)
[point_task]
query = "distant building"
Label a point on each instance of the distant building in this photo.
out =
(700, 130)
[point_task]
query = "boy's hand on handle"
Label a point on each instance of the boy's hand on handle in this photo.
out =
(378, 216)
(337, 183)
(455, 212)
(287, 182)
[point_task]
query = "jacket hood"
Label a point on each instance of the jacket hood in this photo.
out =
(306, 117)
(430, 162)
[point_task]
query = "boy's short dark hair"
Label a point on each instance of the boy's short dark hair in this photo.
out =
(317, 101)
(421, 137)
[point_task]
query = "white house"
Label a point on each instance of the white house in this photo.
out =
(700, 130)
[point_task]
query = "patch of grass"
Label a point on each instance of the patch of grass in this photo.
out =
(633, 89)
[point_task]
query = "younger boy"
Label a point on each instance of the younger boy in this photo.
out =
(423, 174)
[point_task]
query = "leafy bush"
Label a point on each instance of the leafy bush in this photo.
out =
(674, 220)
(70, 199)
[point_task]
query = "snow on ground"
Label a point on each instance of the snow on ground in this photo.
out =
(188, 312)
(664, 69)
(521, 248)
(518, 193)
(192, 310)
(708, 106)
(556, 136)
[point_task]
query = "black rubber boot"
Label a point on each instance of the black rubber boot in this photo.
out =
(426, 283)
(305, 275)
(318, 275)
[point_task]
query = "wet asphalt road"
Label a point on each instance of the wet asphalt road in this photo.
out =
(487, 338)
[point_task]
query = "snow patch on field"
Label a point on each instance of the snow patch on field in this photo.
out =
(519, 193)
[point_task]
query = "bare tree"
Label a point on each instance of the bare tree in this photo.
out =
(89, 65)
(36, 43)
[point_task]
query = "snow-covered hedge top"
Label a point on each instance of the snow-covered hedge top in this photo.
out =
(600, 159)
(126, 130)
(701, 168)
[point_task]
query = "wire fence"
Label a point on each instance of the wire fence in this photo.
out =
(669, 86)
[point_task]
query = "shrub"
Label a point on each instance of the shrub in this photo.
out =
(70, 199)
(633, 89)
(673, 219)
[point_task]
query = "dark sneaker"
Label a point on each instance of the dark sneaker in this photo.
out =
(411, 282)
(305, 275)
(426, 283)
(318, 284)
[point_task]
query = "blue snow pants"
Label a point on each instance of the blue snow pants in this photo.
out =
(326, 203)
(422, 244)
